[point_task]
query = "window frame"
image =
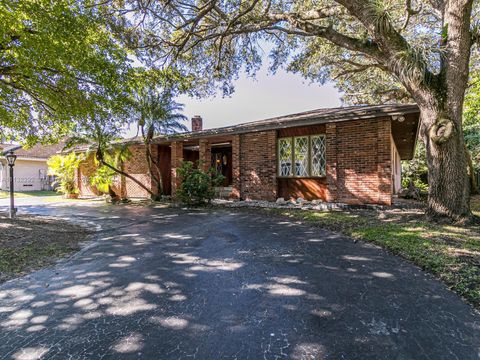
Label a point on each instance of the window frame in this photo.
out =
(309, 155)
(292, 156)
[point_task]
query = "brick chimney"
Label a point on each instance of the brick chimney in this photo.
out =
(197, 123)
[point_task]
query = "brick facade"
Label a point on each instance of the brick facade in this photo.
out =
(358, 170)
(358, 162)
(176, 161)
(236, 171)
(84, 171)
(137, 167)
(205, 154)
(124, 187)
(258, 175)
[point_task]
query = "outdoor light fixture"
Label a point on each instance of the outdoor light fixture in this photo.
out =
(11, 157)
(399, 118)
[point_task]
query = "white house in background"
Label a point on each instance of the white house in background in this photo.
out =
(31, 169)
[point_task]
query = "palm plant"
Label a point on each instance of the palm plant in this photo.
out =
(100, 138)
(63, 167)
(158, 114)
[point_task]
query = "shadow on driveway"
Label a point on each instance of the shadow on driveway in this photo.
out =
(219, 284)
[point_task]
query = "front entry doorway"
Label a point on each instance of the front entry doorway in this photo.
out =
(222, 162)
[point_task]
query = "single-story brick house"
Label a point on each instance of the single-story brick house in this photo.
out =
(348, 154)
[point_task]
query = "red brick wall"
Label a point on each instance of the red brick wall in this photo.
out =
(205, 154)
(358, 161)
(358, 165)
(236, 167)
(176, 161)
(258, 178)
(137, 167)
(84, 171)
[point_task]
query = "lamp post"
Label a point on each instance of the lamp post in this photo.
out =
(11, 157)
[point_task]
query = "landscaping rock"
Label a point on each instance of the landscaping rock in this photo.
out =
(280, 200)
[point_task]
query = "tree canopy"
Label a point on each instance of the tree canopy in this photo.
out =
(376, 50)
(370, 48)
(58, 63)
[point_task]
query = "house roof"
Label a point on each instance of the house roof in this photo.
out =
(318, 116)
(38, 151)
(404, 131)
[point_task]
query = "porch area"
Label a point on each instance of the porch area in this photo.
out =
(220, 153)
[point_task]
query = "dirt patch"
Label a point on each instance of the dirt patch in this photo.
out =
(31, 242)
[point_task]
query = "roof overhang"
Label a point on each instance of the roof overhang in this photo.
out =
(320, 116)
(405, 134)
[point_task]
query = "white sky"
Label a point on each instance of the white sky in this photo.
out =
(263, 97)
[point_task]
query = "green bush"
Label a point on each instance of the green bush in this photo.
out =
(416, 170)
(63, 167)
(197, 186)
(103, 179)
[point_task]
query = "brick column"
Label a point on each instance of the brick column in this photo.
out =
(272, 160)
(205, 154)
(123, 187)
(176, 160)
(384, 167)
(236, 191)
(331, 155)
(78, 179)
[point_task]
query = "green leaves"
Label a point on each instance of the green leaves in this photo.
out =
(58, 63)
(63, 167)
(471, 119)
(197, 187)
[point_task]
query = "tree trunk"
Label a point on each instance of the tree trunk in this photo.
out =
(150, 192)
(441, 111)
(151, 163)
(449, 183)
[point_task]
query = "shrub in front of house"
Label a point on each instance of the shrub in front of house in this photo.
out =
(197, 186)
(63, 167)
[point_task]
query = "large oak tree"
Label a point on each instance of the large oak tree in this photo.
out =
(58, 63)
(398, 50)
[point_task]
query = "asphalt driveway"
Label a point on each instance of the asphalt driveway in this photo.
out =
(178, 284)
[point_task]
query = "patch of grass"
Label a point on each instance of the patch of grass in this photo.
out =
(475, 205)
(23, 194)
(451, 253)
(32, 242)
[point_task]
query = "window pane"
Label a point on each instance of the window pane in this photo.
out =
(301, 156)
(285, 157)
(319, 163)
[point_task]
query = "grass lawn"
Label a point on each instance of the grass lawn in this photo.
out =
(32, 242)
(451, 253)
(20, 194)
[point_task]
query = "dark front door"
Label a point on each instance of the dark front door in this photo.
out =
(222, 162)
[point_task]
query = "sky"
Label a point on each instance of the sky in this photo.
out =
(264, 97)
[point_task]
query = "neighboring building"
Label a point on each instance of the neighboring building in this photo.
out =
(349, 155)
(31, 169)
